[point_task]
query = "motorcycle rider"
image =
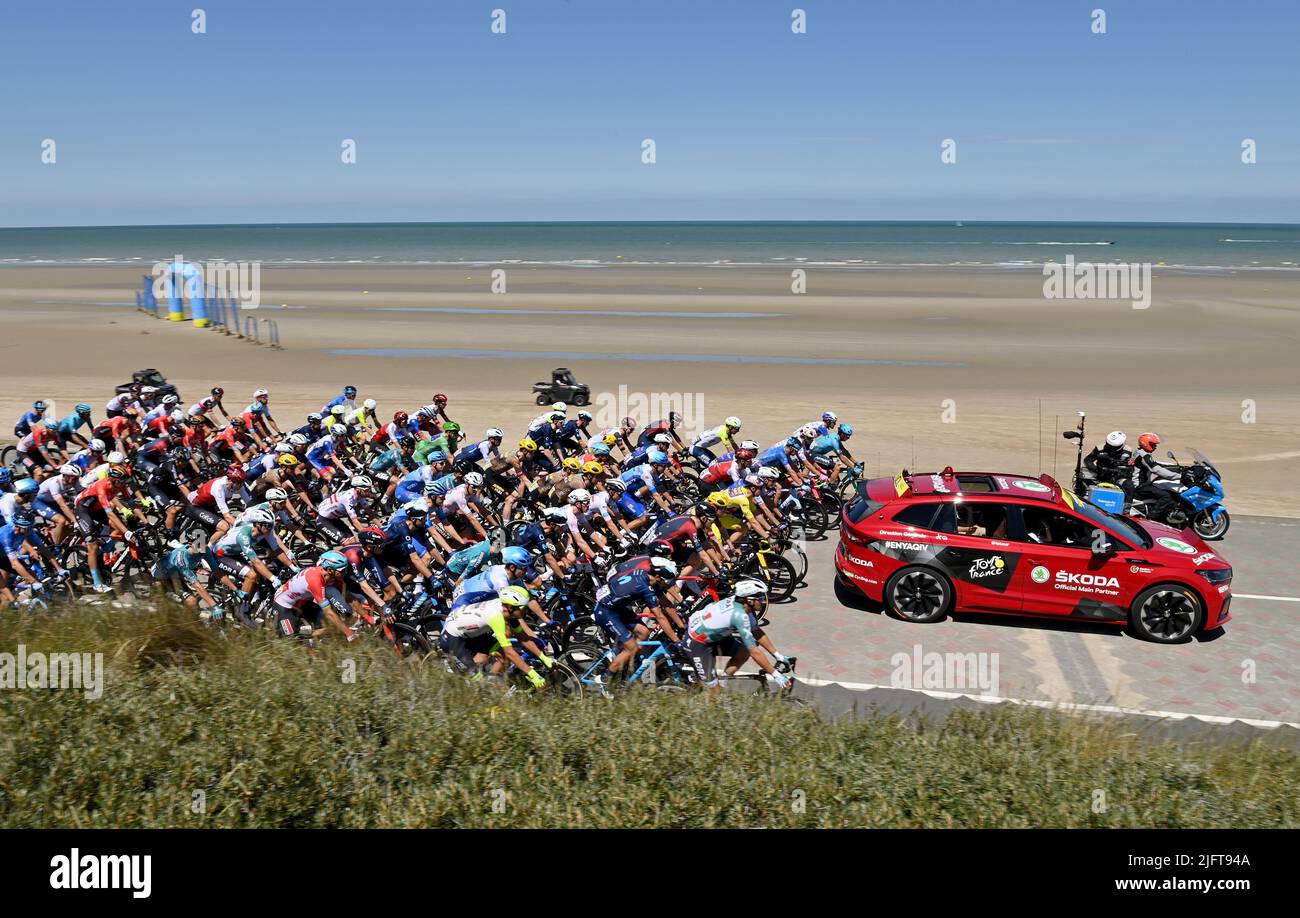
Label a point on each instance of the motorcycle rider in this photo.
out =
(1154, 482)
(1111, 462)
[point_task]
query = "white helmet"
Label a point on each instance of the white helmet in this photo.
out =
(284, 447)
(276, 494)
(555, 514)
(70, 469)
(298, 439)
(338, 411)
(768, 473)
(115, 458)
(474, 479)
(370, 404)
(808, 431)
(258, 393)
(98, 445)
(584, 415)
(615, 484)
(362, 481)
(663, 439)
(747, 588)
(148, 390)
(262, 516)
(665, 567)
(751, 445)
(492, 432)
(733, 422)
(579, 496)
(170, 400)
(1116, 438)
(560, 407)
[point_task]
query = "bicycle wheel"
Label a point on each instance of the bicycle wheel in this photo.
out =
(410, 643)
(780, 577)
(798, 559)
(815, 520)
(9, 457)
(562, 680)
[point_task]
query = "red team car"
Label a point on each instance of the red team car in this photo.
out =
(926, 545)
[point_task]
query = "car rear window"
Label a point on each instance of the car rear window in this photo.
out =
(860, 508)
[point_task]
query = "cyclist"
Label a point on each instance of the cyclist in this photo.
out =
(312, 593)
(620, 605)
(29, 421)
(68, 427)
(100, 505)
(691, 535)
(731, 627)
(235, 555)
(665, 426)
(346, 506)
(723, 435)
(486, 449)
(178, 569)
(465, 502)
(209, 504)
(348, 401)
(20, 543)
(476, 631)
(38, 451)
(55, 497)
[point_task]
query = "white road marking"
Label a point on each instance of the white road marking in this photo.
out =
(1065, 707)
(1272, 598)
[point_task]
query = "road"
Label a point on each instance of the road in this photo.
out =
(1245, 671)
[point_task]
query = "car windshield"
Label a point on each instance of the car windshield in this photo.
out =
(1099, 517)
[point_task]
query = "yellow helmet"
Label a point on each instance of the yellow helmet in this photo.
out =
(610, 439)
(717, 499)
(287, 461)
(573, 464)
(528, 445)
(593, 468)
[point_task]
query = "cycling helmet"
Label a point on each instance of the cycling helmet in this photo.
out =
(117, 473)
(218, 393)
(559, 408)
(744, 453)
(97, 445)
(829, 418)
(428, 412)
(794, 444)
(656, 457)
(808, 431)
(400, 417)
(440, 399)
(237, 421)
(474, 479)
(314, 418)
(579, 496)
(555, 514)
(494, 433)
(1149, 442)
(166, 400)
(262, 517)
(287, 461)
(415, 512)
(24, 520)
(371, 536)
(663, 567)
(661, 549)
(338, 411)
(572, 463)
(339, 430)
(662, 439)
(768, 473)
(733, 422)
(747, 589)
(276, 494)
(515, 596)
(517, 556)
(451, 427)
(370, 404)
(593, 468)
(182, 454)
(236, 473)
(556, 417)
(148, 390)
(115, 458)
(436, 456)
(349, 391)
(26, 486)
(750, 445)
(717, 499)
(1116, 439)
(704, 509)
(600, 449)
(83, 408)
(362, 481)
(6, 475)
(70, 469)
(283, 448)
(333, 561)
(615, 484)
(528, 445)
(584, 415)
(845, 431)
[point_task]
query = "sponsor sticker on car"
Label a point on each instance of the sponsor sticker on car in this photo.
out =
(1025, 484)
(1040, 574)
(986, 567)
(1177, 545)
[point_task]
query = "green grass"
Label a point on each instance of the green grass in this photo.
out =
(273, 736)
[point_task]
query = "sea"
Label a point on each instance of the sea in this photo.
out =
(1195, 247)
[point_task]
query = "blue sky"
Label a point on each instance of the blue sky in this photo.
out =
(155, 124)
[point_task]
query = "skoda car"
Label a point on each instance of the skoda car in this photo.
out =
(927, 545)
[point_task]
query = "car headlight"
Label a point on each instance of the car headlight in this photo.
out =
(1219, 576)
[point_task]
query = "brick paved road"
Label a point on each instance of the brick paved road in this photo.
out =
(1082, 663)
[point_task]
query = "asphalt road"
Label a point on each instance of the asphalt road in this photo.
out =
(1247, 670)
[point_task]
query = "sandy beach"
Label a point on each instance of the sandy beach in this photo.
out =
(972, 368)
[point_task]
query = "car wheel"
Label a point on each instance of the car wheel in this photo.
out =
(580, 399)
(918, 594)
(1167, 613)
(542, 399)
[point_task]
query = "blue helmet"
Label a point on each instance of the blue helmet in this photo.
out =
(845, 431)
(24, 521)
(793, 443)
(656, 457)
(82, 408)
(350, 391)
(38, 405)
(26, 486)
(518, 556)
(600, 449)
(6, 475)
(437, 455)
(333, 561)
